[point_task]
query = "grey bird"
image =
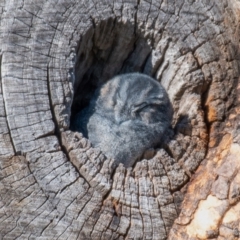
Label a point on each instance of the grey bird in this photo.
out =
(127, 115)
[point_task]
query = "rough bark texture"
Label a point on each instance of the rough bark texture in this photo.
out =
(54, 185)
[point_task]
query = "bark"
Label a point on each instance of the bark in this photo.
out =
(54, 185)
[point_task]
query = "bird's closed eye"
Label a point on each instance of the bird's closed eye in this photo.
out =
(148, 113)
(152, 102)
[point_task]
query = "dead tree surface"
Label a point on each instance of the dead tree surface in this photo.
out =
(54, 185)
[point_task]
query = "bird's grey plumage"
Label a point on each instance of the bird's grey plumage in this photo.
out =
(127, 115)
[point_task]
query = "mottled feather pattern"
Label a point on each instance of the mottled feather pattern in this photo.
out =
(126, 116)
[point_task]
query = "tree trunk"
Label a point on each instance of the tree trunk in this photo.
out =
(54, 184)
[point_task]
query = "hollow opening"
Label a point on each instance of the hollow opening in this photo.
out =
(112, 47)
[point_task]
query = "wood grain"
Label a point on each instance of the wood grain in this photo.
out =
(54, 185)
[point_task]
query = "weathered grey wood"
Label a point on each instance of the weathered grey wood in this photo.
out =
(54, 185)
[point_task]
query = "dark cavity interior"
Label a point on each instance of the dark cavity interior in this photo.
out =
(107, 49)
